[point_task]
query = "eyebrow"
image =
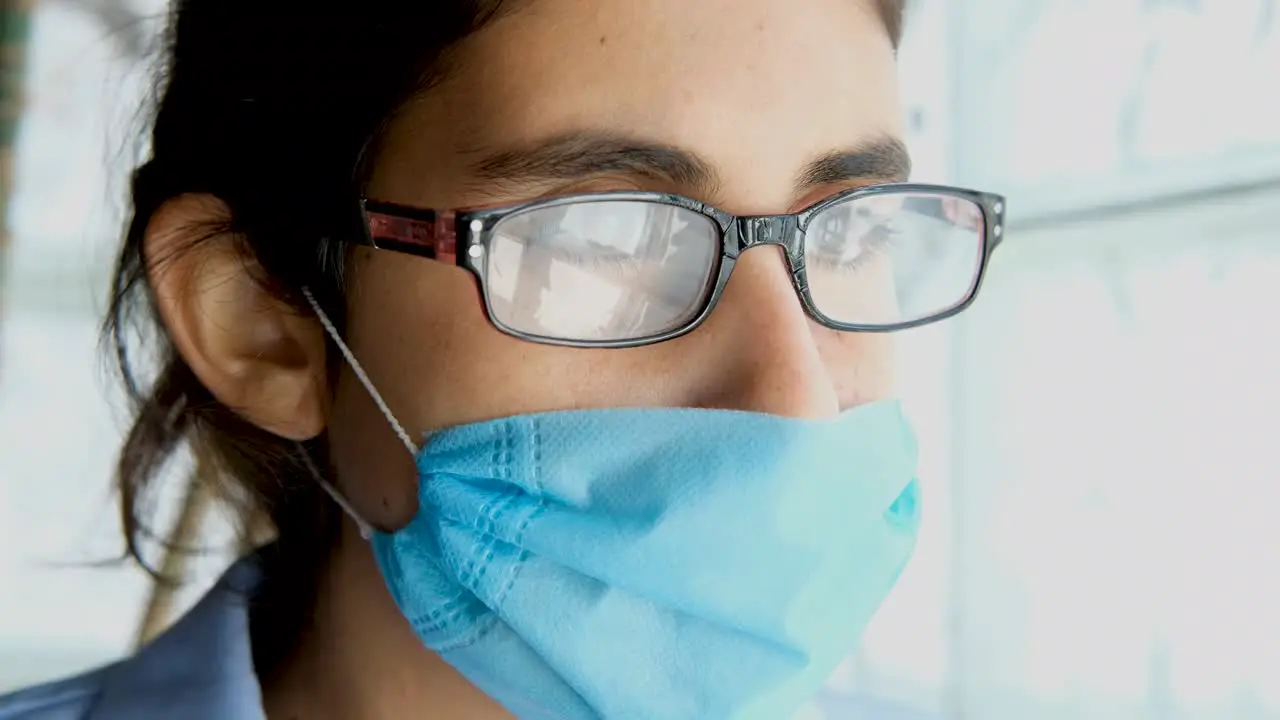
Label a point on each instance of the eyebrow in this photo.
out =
(585, 154)
(884, 159)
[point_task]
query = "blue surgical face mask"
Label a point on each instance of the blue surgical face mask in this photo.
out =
(652, 563)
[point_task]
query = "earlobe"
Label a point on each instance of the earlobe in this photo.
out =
(255, 353)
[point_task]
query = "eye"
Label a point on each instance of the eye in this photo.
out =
(848, 238)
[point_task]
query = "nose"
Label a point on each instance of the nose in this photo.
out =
(765, 349)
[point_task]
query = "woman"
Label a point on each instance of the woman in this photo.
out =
(466, 299)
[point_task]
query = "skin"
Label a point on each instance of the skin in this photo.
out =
(756, 88)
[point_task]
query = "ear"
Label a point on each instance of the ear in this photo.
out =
(256, 354)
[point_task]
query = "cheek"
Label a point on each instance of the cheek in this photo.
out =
(375, 471)
(861, 365)
(419, 331)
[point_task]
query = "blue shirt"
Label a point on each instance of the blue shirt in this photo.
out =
(202, 669)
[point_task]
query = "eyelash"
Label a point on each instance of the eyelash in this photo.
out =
(882, 237)
(595, 262)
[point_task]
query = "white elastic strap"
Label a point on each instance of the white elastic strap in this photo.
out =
(366, 530)
(360, 374)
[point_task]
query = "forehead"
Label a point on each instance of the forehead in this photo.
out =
(754, 86)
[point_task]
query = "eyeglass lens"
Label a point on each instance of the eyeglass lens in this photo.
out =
(617, 270)
(893, 258)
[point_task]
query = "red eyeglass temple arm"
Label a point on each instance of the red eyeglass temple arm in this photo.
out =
(433, 235)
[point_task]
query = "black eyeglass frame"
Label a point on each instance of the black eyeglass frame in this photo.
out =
(464, 238)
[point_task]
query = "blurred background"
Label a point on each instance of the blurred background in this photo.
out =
(1102, 464)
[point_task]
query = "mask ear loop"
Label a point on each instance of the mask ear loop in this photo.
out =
(360, 373)
(366, 530)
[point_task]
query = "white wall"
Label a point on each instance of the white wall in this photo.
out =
(61, 608)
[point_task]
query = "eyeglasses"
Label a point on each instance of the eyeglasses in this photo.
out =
(623, 269)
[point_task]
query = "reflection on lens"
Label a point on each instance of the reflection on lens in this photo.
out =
(893, 258)
(600, 271)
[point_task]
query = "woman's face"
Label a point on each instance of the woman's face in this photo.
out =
(754, 91)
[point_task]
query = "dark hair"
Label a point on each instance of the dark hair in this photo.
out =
(272, 112)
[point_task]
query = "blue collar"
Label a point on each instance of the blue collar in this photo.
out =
(199, 669)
